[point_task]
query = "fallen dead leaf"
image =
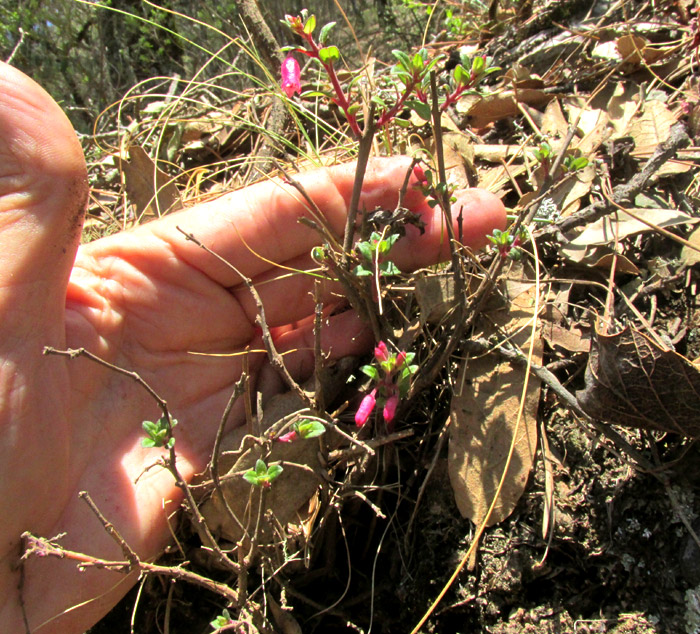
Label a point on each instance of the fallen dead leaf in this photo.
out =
(484, 423)
(604, 230)
(689, 256)
(634, 49)
(554, 123)
(289, 496)
(572, 339)
(150, 190)
(504, 104)
(649, 130)
(632, 381)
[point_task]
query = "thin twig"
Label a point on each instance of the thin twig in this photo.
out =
(40, 547)
(238, 389)
(362, 159)
(274, 357)
(111, 530)
(169, 462)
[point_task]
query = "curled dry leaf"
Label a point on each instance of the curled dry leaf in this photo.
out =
(632, 381)
(484, 423)
(150, 190)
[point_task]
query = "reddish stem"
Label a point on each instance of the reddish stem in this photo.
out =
(340, 99)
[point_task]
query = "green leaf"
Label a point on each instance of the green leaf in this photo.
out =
(370, 371)
(404, 59)
(311, 429)
(420, 108)
(417, 62)
(252, 478)
(365, 250)
(478, 64)
(149, 443)
(274, 472)
(260, 467)
(323, 34)
(578, 163)
(361, 271)
(391, 239)
(401, 74)
(310, 25)
(389, 268)
(222, 620)
(329, 54)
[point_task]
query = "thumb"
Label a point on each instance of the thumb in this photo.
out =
(43, 189)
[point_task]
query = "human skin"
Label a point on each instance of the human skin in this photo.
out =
(144, 300)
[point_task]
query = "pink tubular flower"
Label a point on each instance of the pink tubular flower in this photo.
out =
(390, 408)
(365, 408)
(291, 76)
(290, 436)
(381, 352)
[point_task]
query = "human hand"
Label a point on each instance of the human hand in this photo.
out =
(143, 300)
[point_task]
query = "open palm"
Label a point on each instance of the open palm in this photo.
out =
(146, 300)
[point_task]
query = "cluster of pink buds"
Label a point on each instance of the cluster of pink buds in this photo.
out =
(392, 380)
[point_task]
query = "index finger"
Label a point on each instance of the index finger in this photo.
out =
(260, 224)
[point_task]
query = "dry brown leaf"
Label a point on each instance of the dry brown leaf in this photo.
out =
(622, 107)
(149, 189)
(689, 256)
(604, 230)
(459, 158)
(284, 620)
(498, 153)
(436, 297)
(504, 104)
(521, 77)
(289, 495)
(484, 423)
(622, 263)
(632, 381)
(554, 123)
(649, 130)
(572, 339)
(635, 48)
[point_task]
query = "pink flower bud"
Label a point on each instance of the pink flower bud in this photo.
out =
(381, 352)
(291, 76)
(400, 360)
(390, 408)
(288, 437)
(419, 173)
(365, 408)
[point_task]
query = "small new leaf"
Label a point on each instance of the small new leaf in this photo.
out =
(222, 620)
(323, 34)
(310, 25)
(329, 54)
(370, 371)
(310, 429)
